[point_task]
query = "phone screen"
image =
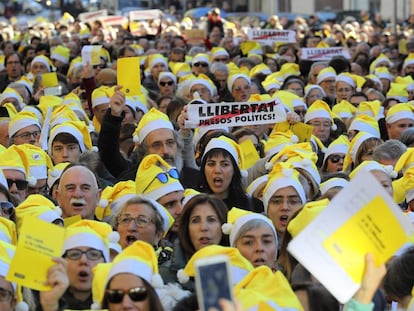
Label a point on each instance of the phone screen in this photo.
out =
(214, 284)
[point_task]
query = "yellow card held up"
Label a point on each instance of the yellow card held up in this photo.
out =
(39, 241)
(49, 79)
(249, 152)
(129, 75)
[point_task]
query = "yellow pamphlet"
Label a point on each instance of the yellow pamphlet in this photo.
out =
(362, 218)
(129, 75)
(39, 241)
(71, 220)
(49, 79)
(249, 153)
(91, 54)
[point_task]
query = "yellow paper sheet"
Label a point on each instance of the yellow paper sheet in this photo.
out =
(129, 76)
(49, 79)
(249, 152)
(363, 233)
(39, 242)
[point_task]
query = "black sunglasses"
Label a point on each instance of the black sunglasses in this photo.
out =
(117, 295)
(166, 83)
(336, 158)
(7, 207)
(20, 184)
(201, 64)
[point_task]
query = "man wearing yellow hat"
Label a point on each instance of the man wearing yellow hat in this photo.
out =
(399, 118)
(78, 192)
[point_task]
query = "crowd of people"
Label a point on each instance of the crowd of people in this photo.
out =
(147, 196)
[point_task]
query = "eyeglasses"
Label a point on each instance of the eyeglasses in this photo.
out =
(7, 208)
(141, 221)
(200, 64)
(336, 158)
(163, 177)
(291, 201)
(162, 83)
(5, 294)
(20, 184)
(27, 135)
(117, 295)
(75, 254)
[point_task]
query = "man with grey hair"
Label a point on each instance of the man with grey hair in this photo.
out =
(389, 152)
(221, 73)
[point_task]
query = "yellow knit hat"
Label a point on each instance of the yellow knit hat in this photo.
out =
(156, 178)
(90, 233)
(239, 265)
(152, 120)
(282, 175)
(40, 207)
(308, 212)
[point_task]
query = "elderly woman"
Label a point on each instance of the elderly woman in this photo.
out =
(141, 218)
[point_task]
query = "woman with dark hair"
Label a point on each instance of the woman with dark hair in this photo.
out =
(200, 225)
(221, 174)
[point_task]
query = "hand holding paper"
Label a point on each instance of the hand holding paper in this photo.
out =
(117, 102)
(58, 280)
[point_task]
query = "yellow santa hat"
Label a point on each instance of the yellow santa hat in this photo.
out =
(21, 120)
(113, 197)
(409, 60)
(369, 166)
(201, 58)
(11, 93)
(383, 73)
(353, 80)
(155, 59)
(102, 95)
(398, 91)
(289, 100)
(371, 108)
(38, 160)
(43, 60)
(326, 73)
(100, 275)
(237, 218)
(399, 112)
(228, 144)
(152, 120)
(407, 80)
(278, 140)
(11, 159)
(381, 59)
(310, 87)
(90, 233)
(38, 206)
(282, 175)
(181, 69)
(339, 145)
(156, 178)
(365, 123)
(406, 160)
(308, 212)
(406, 185)
(271, 82)
(344, 109)
(138, 259)
(61, 53)
(205, 81)
(257, 186)
(264, 290)
(320, 109)
(77, 129)
(239, 265)
(333, 183)
(233, 76)
(251, 47)
(289, 69)
(218, 51)
(260, 68)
